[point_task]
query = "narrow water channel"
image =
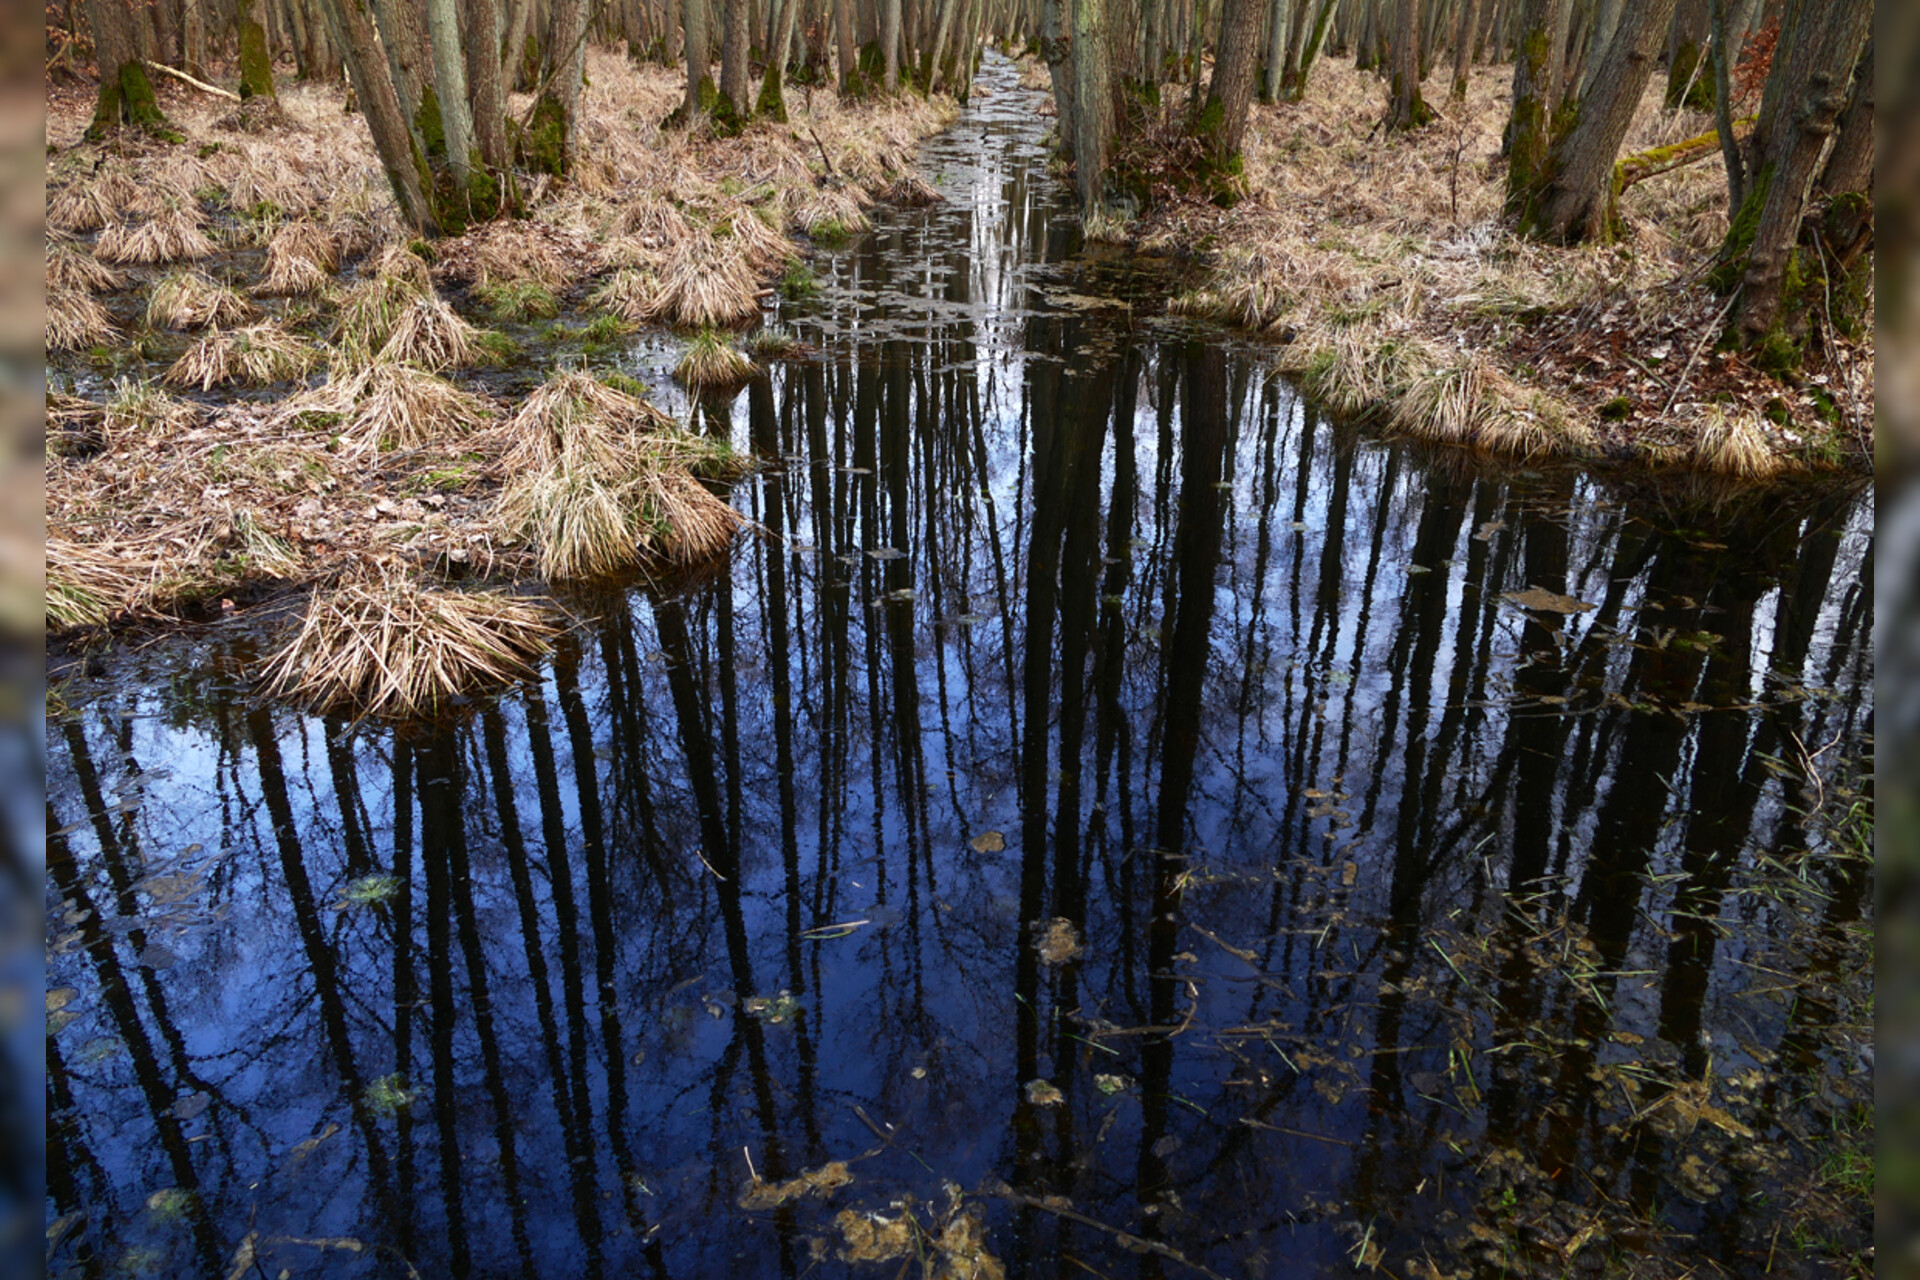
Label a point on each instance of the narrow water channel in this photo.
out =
(1107, 820)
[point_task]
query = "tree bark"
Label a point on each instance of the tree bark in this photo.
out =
(567, 62)
(483, 82)
(1850, 164)
(890, 46)
(256, 64)
(1093, 102)
(1463, 48)
(1409, 110)
(1056, 49)
(849, 42)
(372, 81)
(1686, 86)
(1536, 69)
(126, 95)
(1808, 88)
(735, 80)
(694, 15)
(450, 87)
(1223, 121)
(1577, 201)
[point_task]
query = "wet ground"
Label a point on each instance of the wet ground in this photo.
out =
(1108, 821)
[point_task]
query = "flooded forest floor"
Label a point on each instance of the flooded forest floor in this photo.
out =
(1053, 801)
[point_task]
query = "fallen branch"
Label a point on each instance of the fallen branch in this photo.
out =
(1655, 161)
(201, 85)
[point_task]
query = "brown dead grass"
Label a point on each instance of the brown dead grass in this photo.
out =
(382, 645)
(75, 321)
(387, 406)
(1387, 268)
(72, 267)
(188, 298)
(174, 236)
(257, 355)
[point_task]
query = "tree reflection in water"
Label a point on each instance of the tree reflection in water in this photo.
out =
(1413, 923)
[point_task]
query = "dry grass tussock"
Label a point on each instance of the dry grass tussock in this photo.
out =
(712, 363)
(72, 267)
(386, 406)
(258, 355)
(75, 322)
(628, 293)
(431, 334)
(188, 298)
(91, 583)
(707, 282)
(172, 237)
(301, 259)
(383, 645)
(1347, 242)
(600, 483)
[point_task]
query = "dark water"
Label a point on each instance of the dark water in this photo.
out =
(1121, 814)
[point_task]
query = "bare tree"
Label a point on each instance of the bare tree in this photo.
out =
(1408, 109)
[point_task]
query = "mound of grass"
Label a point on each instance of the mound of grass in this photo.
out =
(171, 237)
(706, 284)
(384, 646)
(71, 267)
(601, 482)
(392, 406)
(517, 300)
(188, 298)
(257, 355)
(712, 363)
(75, 321)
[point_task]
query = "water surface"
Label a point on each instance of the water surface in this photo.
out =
(1139, 826)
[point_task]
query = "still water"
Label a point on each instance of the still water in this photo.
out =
(1106, 820)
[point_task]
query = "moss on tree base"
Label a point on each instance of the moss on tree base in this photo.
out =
(127, 98)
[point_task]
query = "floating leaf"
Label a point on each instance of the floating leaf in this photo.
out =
(1544, 601)
(1043, 1093)
(988, 842)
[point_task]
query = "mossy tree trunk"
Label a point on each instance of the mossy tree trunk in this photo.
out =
(566, 70)
(1783, 281)
(1463, 48)
(1536, 75)
(372, 80)
(483, 82)
(450, 87)
(772, 102)
(256, 64)
(126, 95)
(1056, 50)
(1223, 120)
(1093, 117)
(1408, 110)
(1687, 81)
(1576, 201)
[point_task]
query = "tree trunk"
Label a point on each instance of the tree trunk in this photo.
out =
(372, 81)
(1223, 121)
(567, 67)
(849, 42)
(1463, 48)
(1577, 201)
(1409, 110)
(735, 80)
(773, 103)
(694, 14)
(193, 38)
(483, 83)
(513, 47)
(1606, 21)
(890, 46)
(1093, 102)
(126, 95)
(450, 87)
(1807, 89)
(1536, 67)
(256, 64)
(1056, 48)
(1275, 70)
(1686, 86)
(1850, 164)
(1722, 37)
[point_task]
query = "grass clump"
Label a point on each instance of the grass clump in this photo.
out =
(600, 482)
(370, 310)
(1735, 445)
(429, 333)
(629, 293)
(387, 406)
(188, 298)
(385, 646)
(712, 363)
(88, 584)
(141, 408)
(301, 259)
(604, 328)
(257, 355)
(706, 284)
(174, 236)
(71, 267)
(517, 300)
(90, 205)
(798, 283)
(75, 321)
(774, 343)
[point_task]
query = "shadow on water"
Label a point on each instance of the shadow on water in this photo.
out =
(1137, 825)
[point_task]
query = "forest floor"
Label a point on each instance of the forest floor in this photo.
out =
(1384, 265)
(258, 380)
